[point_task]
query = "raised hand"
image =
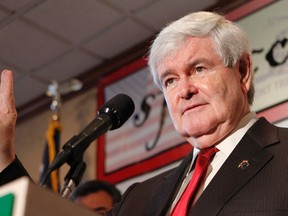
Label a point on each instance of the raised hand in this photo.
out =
(8, 116)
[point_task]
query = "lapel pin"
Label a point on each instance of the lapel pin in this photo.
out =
(244, 164)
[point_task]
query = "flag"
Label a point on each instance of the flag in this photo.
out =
(51, 148)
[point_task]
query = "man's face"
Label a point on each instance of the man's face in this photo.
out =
(100, 201)
(205, 99)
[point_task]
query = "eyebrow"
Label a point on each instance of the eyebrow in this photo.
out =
(165, 74)
(187, 66)
(101, 208)
(198, 61)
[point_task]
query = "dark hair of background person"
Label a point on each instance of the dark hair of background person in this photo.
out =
(95, 186)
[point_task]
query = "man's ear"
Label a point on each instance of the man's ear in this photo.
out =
(245, 69)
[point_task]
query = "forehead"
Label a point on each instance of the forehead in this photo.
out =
(98, 198)
(192, 48)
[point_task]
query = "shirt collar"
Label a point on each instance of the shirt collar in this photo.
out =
(229, 143)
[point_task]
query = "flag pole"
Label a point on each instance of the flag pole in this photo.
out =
(77, 165)
(52, 145)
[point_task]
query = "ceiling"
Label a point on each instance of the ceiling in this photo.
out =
(57, 40)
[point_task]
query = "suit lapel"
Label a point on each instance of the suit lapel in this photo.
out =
(166, 190)
(244, 162)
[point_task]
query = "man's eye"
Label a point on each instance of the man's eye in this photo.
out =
(199, 69)
(168, 82)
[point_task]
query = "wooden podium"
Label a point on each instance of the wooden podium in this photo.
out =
(24, 198)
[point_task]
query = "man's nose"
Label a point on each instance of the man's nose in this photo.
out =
(186, 88)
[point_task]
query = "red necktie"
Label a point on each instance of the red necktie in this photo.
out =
(202, 162)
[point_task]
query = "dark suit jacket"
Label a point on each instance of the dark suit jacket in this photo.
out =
(13, 171)
(261, 188)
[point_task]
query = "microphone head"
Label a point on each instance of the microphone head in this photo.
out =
(119, 109)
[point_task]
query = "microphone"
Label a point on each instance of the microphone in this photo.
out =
(112, 115)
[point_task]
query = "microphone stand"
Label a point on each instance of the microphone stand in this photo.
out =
(73, 177)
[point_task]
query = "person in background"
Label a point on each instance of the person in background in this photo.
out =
(100, 196)
(203, 66)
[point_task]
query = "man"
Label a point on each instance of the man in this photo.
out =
(202, 64)
(97, 195)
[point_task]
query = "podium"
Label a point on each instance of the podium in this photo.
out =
(24, 198)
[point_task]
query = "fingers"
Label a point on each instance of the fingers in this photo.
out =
(6, 92)
(8, 116)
